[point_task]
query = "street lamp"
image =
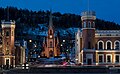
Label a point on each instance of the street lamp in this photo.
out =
(35, 46)
(30, 40)
(63, 40)
(61, 45)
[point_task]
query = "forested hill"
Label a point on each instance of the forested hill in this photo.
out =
(25, 18)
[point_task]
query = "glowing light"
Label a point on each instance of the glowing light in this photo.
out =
(63, 40)
(30, 40)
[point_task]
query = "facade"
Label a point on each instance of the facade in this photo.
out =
(8, 51)
(96, 47)
(20, 56)
(51, 42)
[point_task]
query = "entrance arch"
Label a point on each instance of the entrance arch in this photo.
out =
(51, 53)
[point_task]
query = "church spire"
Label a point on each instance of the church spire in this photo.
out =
(50, 19)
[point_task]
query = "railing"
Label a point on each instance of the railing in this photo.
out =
(88, 13)
(107, 33)
(108, 49)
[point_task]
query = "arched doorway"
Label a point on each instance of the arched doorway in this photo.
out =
(51, 53)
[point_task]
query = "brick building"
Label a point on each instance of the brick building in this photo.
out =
(96, 47)
(8, 51)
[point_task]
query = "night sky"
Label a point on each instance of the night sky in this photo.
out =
(105, 9)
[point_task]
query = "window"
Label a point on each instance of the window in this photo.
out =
(109, 45)
(100, 45)
(93, 24)
(7, 33)
(101, 58)
(89, 24)
(109, 58)
(117, 58)
(117, 45)
(51, 44)
(84, 24)
(50, 32)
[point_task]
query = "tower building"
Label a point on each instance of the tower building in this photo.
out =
(88, 35)
(96, 47)
(8, 50)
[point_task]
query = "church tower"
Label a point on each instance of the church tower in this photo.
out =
(88, 37)
(8, 49)
(51, 42)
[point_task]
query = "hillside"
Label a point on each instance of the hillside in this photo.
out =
(30, 20)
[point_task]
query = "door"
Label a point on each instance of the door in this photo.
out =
(7, 62)
(51, 53)
(89, 61)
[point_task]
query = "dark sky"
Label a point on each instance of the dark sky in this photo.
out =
(105, 9)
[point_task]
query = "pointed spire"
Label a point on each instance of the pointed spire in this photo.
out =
(50, 19)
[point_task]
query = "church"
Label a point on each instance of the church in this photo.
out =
(51, 42)
(96, 47)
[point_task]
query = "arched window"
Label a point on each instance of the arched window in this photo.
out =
(93, 25)
(50, 32)
(84, 24)
(100, 44)
(117, 45)
(108, 45)
(7, 33)
(89, 24)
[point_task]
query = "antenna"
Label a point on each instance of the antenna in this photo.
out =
(8, 13)
(88, 5)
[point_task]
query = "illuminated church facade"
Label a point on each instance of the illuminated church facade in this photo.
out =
(96, 47)
(51, 42)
